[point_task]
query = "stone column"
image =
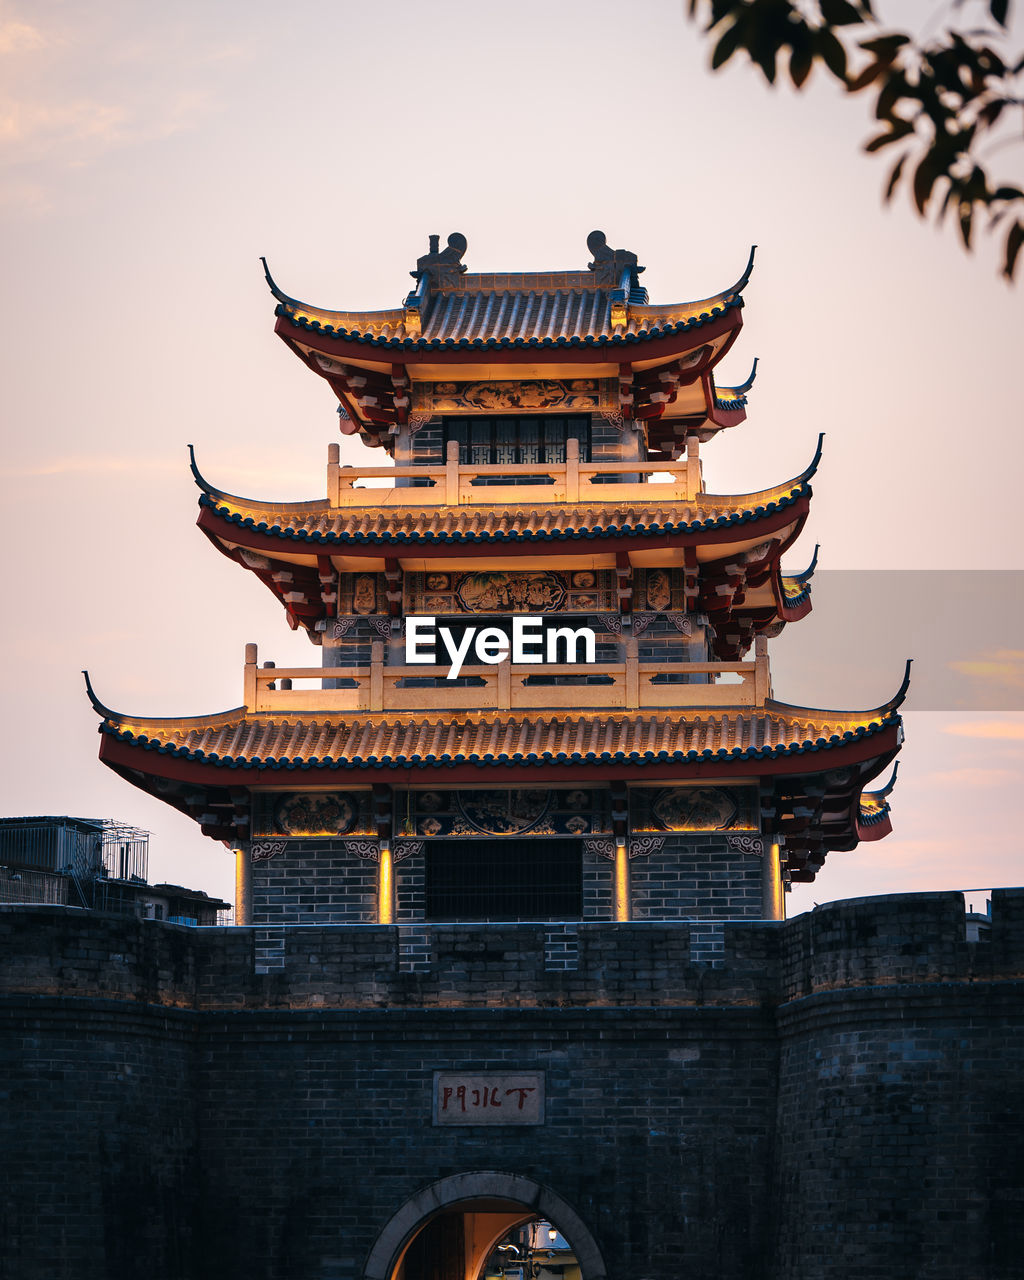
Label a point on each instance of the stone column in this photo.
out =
(243, 884)
(622, 911)
(772, 898)
(386, 885)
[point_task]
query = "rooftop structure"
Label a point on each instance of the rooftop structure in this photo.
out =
(544, 690)
(96, 863)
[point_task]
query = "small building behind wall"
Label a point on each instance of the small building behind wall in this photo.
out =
(94, 863)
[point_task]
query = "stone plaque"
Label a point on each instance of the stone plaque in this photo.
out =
(488, 1097)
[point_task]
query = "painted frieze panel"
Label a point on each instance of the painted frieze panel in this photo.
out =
(313, 814)
(695, 808)
(361, 593)
(658, 590)
(513, 811)
(528, 395)
(501, 591)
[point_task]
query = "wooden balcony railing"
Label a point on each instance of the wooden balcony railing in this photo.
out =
(454, 484)
(628, 686)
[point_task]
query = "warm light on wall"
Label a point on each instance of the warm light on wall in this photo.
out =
(385, 885)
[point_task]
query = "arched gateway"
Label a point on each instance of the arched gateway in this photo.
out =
(490, 1204)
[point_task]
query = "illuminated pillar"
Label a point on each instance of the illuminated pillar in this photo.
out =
(621, 879)
(386, 885)
(243, 884)
(772, 898)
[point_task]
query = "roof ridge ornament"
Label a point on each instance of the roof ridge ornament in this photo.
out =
(744, 387)
(748, 271)
(809, 571)
(97, 706)
(610, 264)
(442, 265)
(278, 293)
(884, 792)
(809, 473)
(201, 480)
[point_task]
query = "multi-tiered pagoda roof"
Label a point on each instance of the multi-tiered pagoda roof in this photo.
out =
(638, 526)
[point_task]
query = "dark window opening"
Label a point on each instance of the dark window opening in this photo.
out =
(506, 878)
(517, 441)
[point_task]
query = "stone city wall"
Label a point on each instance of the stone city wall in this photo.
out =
(835, 1096)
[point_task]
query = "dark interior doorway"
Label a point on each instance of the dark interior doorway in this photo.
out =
(510, 878)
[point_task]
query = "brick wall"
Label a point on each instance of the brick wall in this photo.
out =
(696, 875)
(314, 879)
(317, 881)
(836, 1096)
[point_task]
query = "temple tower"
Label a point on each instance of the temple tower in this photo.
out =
(544, 691)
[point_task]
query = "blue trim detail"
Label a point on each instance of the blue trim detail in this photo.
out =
(732, 754)
(415, 344)
(405, 538)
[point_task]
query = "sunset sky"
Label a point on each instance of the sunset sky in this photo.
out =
(152, 153)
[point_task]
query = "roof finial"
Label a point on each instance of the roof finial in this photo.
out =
(442, 265)
(278, 293)
(97, 706)
(200, 479)
(609, 264)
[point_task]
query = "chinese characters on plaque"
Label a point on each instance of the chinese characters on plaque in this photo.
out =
(488, 1097)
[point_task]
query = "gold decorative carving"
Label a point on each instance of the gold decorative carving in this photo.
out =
(527, 395)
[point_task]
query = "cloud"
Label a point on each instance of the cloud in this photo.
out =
(42, 124)
(97, 465)
(1004, 667)
(90, 89)
(19, 37)
(970, 777)
(1005, 729)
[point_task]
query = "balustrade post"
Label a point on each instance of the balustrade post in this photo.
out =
(694, 474)
(632, 673)
(333, 474)
(762, 674)
(505, 685)
(249, 678)
(377, 676)
(451, 474)
(572, 470)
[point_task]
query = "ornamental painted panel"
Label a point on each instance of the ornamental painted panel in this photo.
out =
(575, 811)
(499, 591)
(313, 814)
(359, 593)
(528, 395)
(695, 808)
(503, 813)
(658, 590)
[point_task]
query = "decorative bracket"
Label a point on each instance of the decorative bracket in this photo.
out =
(261, 850)
(402, 849)
(641, 846)
(753, 845)
(368, 850)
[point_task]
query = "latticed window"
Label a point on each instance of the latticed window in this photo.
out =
(504, 879)
(516, 441)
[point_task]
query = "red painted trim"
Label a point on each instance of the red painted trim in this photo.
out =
(217, 527)
(115, 752)
(665, 348)
(876, 831)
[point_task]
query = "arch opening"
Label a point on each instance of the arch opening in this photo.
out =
(485, 1226)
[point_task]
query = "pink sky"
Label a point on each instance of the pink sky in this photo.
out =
(152, 153)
